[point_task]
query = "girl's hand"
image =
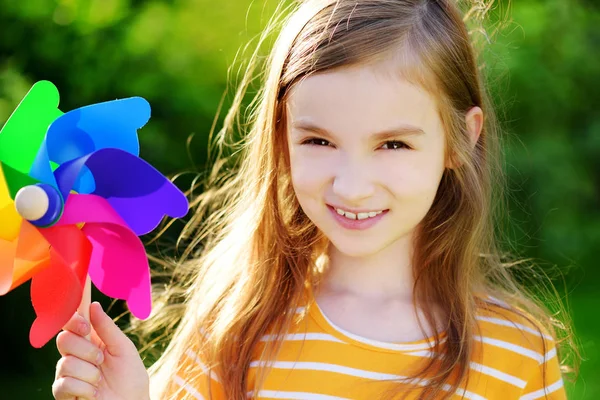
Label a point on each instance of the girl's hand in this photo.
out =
(106, 367)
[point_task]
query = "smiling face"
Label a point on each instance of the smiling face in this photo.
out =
(367, 153)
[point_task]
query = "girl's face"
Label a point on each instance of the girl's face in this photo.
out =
(367, 156)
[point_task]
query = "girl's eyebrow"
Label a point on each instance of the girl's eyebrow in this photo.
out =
(401, 130)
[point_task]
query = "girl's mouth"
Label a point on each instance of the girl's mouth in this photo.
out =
(356, 221)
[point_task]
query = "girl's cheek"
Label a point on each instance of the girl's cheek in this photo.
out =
(311, 165)
(309, 175)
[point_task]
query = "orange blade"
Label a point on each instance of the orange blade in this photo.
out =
(22, 258)
(8, 250)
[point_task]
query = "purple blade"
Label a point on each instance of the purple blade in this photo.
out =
(140, 194)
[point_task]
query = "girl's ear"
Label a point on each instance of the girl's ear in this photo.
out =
(474, 119)
(474, 122)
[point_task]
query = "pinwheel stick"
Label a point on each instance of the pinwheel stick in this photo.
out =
(86, 301)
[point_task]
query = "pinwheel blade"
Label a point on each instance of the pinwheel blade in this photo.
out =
(112, 124)
(56, 291)
(140, 194)
(8, 250)
(118, 264)
(11, 221)
(22, 258)
(24, 132)
(15, 179)
(4, 191)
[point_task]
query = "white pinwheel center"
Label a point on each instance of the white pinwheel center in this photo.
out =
(32, 202)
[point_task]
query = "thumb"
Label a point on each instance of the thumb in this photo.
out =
(116, 342)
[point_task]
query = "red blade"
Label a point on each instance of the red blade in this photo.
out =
(56, 291)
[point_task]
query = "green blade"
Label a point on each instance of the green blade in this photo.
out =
(15, 180)
(24, 132)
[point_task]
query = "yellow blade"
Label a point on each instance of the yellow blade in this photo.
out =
(11, 220)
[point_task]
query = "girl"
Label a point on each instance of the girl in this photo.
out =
(352, 254)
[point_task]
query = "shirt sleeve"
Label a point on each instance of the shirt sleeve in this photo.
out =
(191, 381)
(550, 388)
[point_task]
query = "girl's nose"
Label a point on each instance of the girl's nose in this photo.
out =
(352, 184)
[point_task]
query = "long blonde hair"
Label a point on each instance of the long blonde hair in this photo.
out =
(252, 251)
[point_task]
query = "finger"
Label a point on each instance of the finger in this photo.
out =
(68, 388)
(69, 344)
(96, 340)
(74, 367)
(115, 341)
(78, 325)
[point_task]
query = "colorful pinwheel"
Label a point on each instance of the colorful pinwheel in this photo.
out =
(74, 197)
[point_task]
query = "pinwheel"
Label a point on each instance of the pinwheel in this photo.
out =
(74, 199)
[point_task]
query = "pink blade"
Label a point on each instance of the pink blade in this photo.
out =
(56, 291)
(118, 264)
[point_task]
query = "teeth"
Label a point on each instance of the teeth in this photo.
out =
(358, 216)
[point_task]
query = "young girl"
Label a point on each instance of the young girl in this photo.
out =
(352, 254)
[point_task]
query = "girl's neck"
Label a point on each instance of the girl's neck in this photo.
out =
(385, 275)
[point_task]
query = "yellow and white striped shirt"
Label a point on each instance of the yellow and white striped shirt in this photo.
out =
(319, 361)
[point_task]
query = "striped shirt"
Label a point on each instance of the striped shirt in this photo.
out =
(320, 361)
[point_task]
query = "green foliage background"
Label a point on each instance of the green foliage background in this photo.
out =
(176, 54)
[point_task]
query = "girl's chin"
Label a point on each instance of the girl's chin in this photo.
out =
(356, 247)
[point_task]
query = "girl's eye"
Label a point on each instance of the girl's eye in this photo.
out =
(316, 142)
(395, 145)
(389, 145)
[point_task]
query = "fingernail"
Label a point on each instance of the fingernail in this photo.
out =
(84, 325)
(100, 358)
